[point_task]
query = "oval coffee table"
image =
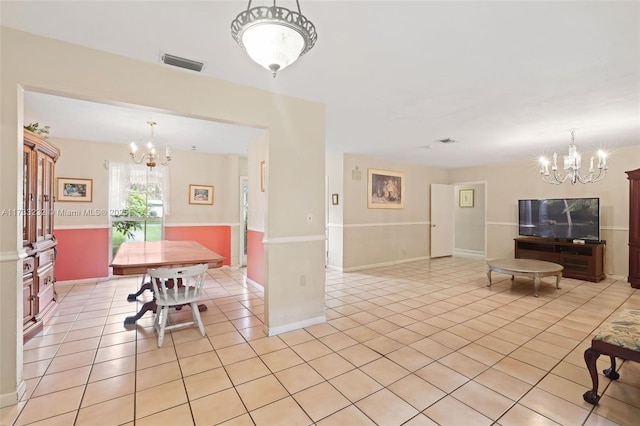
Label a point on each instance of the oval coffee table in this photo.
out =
(535, 269)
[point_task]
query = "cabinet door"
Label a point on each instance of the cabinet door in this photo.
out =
(28, 299)
(46, 297)
(27, 195)
(40, 185)
(47, 199)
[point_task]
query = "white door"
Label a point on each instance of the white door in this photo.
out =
(442, 220)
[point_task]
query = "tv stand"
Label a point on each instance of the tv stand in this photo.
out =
(580, 261)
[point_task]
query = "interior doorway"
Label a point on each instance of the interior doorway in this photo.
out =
(244, 220)
(470, 220)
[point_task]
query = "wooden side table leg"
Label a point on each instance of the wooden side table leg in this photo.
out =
(558, 276)
(489, 276)
(590, 357)
(536, 283)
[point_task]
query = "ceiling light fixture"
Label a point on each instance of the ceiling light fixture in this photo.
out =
(274, 36)
(149, 156)
(572, 163)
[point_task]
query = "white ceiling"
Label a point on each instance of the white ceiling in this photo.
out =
(499, 77)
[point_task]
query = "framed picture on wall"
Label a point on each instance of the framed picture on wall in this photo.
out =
(465, 198)
(75, 189)
(201, 194)
(385, 190)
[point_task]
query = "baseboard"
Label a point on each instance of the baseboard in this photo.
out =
(272, 331)
(617, 277)
(334, 268)
(84, 280)
(12, 398)
(377, 265)
(255, 284)
(471, 254)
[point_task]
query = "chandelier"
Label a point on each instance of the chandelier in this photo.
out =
(149, 155)
(572, 163)
(273, 36)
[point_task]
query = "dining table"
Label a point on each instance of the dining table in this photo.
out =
(135, 258)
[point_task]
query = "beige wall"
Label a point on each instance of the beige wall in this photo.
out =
(296, 166)
(186, 167)
(258, 151)
(335, 179)
(379, 236)
(369, 237)
(508, 182)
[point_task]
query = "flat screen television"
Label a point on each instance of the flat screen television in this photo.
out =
(560, 218)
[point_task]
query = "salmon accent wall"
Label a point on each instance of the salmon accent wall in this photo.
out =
(82, 253)
(216, 238)
(255, 257)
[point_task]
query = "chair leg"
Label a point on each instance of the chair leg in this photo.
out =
(156, 321)
(164, 311)
(195, 312)
(590, 357)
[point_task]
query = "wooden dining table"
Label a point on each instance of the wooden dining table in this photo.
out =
(135, 258)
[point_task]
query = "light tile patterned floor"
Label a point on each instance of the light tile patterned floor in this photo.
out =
(421, 343)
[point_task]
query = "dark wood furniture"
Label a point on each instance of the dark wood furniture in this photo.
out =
(581, 261)
(634, 227)
(134, 258)
(534, 269)
(38, 280)
(620, 338)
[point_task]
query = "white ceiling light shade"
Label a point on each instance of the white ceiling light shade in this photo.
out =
(274, 36)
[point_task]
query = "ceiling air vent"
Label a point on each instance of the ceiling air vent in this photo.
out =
(177, 61)
(447, 140)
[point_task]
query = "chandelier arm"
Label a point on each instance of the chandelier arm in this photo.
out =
(546, 178)
(133, 157)
(297, 2)
(591, 177)
(559, 177)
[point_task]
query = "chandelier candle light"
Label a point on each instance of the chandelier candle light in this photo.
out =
(572, 163)
(273, 36)
(149, 156)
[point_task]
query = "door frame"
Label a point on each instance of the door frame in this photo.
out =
(486, 204)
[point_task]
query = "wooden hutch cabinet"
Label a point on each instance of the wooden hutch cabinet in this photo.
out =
(38, 279)
(634, 227)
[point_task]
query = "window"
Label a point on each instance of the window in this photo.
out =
(138, 203)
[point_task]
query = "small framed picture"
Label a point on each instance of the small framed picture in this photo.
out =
(201, 194)
(75, 189)
(262, 183)
(465, 198)
(334, 199)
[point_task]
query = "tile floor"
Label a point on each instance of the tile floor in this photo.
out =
(422, 343)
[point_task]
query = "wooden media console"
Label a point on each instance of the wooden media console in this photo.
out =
(580, 261)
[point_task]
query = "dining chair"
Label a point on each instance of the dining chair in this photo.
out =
(174, 287)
